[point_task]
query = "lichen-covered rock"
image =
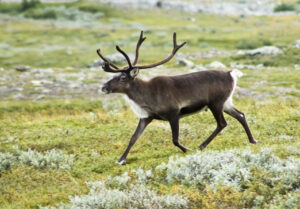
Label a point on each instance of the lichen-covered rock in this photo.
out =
(185, 62)
(266, 50)
(22, 68)
(216, 65)
(296, 44)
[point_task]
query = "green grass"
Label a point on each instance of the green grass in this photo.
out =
(68, 126)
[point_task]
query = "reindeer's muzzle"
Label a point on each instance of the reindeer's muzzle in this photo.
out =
(106, 89)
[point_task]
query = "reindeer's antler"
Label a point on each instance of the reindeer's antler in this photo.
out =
(139, 43)
(105, 60)
(126, 57)
(175, 49)
(106, 67)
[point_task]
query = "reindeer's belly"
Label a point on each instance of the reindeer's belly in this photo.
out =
(184, 111)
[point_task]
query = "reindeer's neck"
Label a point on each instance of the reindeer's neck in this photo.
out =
(137, 90)
(135, 97)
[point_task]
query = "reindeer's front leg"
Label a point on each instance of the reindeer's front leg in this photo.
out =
(138, 132)
(174, 123)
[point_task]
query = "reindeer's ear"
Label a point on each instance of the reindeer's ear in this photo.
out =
(134, 72)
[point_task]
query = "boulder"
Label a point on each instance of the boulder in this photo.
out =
(266, 50)
(297, 44)
(216, 65)
(22, 68)
(185, 62)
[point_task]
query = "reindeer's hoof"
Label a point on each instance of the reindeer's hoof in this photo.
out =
(188, 150)
(121, 162)
(253, 141)
(201, 147)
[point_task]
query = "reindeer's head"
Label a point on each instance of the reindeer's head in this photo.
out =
(127, 74)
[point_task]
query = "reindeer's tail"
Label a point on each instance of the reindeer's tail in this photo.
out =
(236, 74)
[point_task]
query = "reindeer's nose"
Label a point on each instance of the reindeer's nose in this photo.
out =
(105, 88)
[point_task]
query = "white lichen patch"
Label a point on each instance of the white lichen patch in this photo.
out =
(50, 159)
(231, 168)
(135, 196)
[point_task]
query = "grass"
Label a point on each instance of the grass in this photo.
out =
(221, 32)
(73, 130)
(98, 131)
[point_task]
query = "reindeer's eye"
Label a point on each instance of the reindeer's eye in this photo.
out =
(123, 78)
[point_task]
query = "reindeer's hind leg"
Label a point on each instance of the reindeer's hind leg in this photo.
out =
(217, 111)
(242, 119)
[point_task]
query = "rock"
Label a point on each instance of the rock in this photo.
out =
(216, 65)
(297, 44)
(22, 68)
(199, 68)
(240, 52)
(243, 92)
(203, 45)
(46, 91)
(161, 34)
(36, 83)
(19, 96)
(185, 62)
(266, 50)
(237, 65)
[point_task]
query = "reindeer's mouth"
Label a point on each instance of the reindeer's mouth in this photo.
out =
(106, 90)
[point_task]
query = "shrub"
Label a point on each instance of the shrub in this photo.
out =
(90, 8)
(252, 44)
(135, 196)
(41, 14)
(51, 159)
(230, 168)
(7, 161)
(29, 4)
(284, 7)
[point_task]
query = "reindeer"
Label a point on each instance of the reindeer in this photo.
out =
(169, 98)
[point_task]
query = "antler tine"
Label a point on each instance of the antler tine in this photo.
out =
(175, 49)
(106, 67)
(139, 43)
(125, 55)
(105, 60)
